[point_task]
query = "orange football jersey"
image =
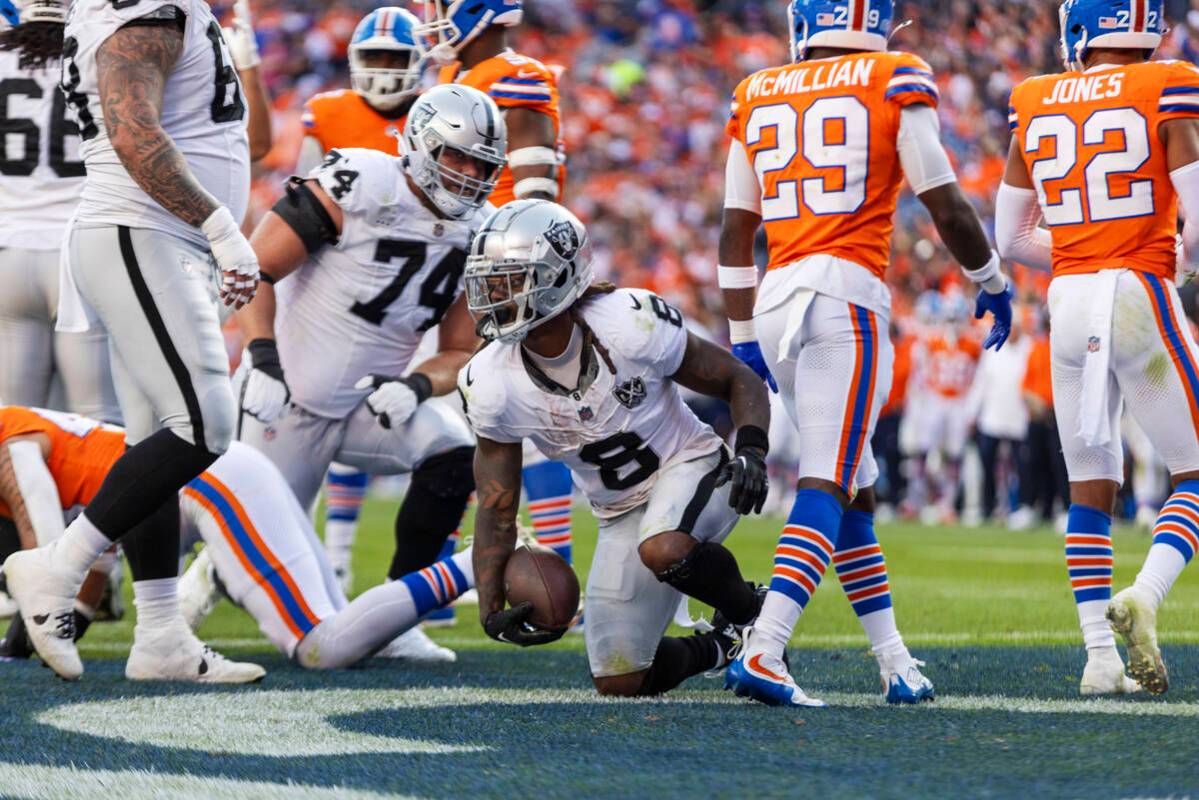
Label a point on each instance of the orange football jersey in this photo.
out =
(821, 136)
(951, 364)
(82, 451)
(513, 81)
(344, 119)
(1091, 144)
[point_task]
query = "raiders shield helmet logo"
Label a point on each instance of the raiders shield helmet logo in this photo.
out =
(630, 393)
(563, 238)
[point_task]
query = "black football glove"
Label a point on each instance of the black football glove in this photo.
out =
(512, 625)
(747, 475)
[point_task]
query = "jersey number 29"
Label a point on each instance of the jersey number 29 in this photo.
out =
(836, 135)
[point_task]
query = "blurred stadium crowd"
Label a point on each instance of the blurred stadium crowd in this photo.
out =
(645, 92)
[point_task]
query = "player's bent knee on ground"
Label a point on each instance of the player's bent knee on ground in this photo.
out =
(437, 497)
(628, 685)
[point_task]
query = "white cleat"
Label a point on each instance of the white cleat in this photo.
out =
(173, 653)
(8, 606)
(1135, 618)
(1104, 674)
(46, 597)
(416, 646)
(903, 683)
(199, 592)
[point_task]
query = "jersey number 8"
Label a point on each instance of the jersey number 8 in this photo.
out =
(1130, 126)
(836, 135)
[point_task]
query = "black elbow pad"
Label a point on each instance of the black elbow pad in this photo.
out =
(306, 215)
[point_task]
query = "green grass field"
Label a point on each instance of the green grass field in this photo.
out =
(990, 611)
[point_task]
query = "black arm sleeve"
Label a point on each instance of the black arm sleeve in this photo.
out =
(304, 213)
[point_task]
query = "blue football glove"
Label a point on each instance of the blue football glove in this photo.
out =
(1000, 306)
(750, 354)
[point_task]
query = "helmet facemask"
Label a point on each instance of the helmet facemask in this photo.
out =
(444, 182)
(385, 77)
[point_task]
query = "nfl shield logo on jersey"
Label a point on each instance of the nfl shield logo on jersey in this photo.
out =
(630, 393)
(586, 414)
(1093, 344)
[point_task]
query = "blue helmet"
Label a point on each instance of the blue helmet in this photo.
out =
(387, 29)
(451, 24)
(849, 24)
(1135, 24)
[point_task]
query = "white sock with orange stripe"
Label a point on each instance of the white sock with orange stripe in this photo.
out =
(379, 615)
(800, 559)
(1089, 564)
(862, 569)
(1175, 540)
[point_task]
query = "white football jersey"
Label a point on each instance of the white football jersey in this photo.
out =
(41, 172)
(203, 111)
(361, 307)
(620, 430)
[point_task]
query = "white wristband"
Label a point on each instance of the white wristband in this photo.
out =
(737, 277)
(742, 330)
(220, 225)
(988, 275)
(528, 186)
(533, 157)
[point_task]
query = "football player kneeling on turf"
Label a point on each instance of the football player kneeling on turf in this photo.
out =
(369, 252)
(589, 373)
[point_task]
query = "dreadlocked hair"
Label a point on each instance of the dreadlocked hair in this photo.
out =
(38, 43)
(593, 291)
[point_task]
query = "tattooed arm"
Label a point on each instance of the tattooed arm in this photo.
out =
(28, 488)
(714, 371)
(134, 64)
(497, 482)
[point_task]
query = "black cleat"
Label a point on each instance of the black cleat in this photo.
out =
(16, 644)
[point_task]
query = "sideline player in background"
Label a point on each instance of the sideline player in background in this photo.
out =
(39, 191)
(475, 37)
(385, 71)
(369, 252)
(820, 148)
(1105, 153)
(590, 374)
(161, 112)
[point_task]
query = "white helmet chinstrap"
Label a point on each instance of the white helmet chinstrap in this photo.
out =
(454, 146)
(528, 263)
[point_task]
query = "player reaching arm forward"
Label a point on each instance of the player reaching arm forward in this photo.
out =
(590, 374)
(820, 149)
(1105, 153)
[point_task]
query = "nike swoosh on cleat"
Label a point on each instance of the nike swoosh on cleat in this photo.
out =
(756, 666)
(40, 619)
(203, 667)
(469, 380)
(528, 73)
(636, 304)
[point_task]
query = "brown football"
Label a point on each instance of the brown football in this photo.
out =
(540, 576)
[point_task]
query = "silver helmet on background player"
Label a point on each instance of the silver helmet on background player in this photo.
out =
(455, 145)
(528, 263)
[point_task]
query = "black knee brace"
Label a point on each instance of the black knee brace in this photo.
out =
(710, 574)
(432, 509)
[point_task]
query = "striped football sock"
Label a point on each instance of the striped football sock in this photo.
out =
(345, 491)
(1089, 563)
(446, 613)
(800, 559)
(862, 569)
(548, 487)
(440, 583)
(1175, 540)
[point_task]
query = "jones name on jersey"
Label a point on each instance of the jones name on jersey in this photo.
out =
(202, 111)
(615, 432)
(361, 306)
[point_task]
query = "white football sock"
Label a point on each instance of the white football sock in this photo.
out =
(1162, 567)
(79, 547)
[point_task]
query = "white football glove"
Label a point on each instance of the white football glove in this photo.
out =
(264, 394)
(243, 46)
(234, 257)
(395, 399)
